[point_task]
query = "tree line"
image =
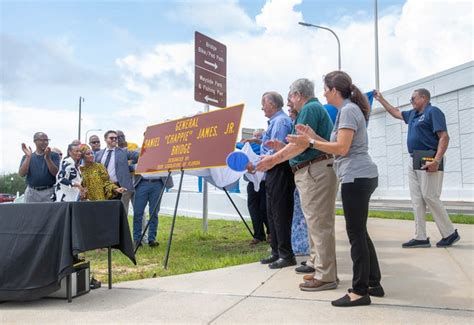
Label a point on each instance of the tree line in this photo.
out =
(12, 183)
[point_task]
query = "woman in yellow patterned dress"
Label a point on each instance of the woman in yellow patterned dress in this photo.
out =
(96, 179)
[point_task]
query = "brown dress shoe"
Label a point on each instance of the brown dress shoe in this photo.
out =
(317, 285)
(255, 241)
(309, 277)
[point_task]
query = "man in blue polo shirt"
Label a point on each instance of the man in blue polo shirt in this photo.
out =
(40, 168)
(426, 131)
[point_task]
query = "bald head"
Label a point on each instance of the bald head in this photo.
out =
(122, 143)
(94, 142)
(39, 135)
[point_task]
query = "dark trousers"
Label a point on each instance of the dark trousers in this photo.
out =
(257, 205)
(355, 202)
(280, 186)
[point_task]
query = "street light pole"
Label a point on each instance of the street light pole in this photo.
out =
(335, 35)
(376, 28)
(81, 99)
(90, 130)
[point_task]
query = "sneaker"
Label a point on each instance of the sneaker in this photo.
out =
(415, 243)
(450, 240)
(305, 269)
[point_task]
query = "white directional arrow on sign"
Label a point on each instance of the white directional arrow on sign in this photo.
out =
(209, 99)
(212, 64)
(210, 71)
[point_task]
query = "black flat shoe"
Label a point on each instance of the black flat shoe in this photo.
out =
(346, 301)
(303, 269)
(269, 259)
(374, 291)
(282, 262)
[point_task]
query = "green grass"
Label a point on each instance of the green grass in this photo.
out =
(225, 244)
(455, 218)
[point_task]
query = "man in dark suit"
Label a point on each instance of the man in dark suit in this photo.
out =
(116, 160)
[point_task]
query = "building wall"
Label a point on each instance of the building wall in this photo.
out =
(453, 92)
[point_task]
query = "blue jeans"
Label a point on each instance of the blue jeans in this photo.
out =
(147, 191)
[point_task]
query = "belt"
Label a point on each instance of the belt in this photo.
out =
(151, 180)
(324, 156)
(40, 188)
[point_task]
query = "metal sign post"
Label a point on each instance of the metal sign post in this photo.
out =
(205, 196)
(210, 86)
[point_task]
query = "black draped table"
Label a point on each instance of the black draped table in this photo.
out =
(38, 241)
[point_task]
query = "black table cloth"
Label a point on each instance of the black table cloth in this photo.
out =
(38, 240)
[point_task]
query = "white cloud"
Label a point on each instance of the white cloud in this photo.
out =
(415, 42)
(215, 16)
(19, 123)
(175, 58)
(278, 16)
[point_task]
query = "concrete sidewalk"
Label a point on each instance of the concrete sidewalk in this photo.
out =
(425, 285)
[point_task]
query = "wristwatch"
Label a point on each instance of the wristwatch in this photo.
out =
(311, 143)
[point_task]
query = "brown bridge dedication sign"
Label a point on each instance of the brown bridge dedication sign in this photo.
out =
(200, 141)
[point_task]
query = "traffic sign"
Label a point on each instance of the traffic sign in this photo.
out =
(210, 71)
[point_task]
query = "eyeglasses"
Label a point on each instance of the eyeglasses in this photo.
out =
(113, 138)
(412, 99)
(43, 140)
(95, 142)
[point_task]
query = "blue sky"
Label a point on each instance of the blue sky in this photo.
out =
(96, 33)
(132, 61)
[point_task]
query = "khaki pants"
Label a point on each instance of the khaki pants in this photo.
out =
(317, 185)
(425, 190)
(32, 195)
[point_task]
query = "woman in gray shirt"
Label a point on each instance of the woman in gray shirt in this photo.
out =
(358, 176)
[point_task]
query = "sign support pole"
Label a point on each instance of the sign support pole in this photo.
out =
(205, 197)
(237, 209)
(170, 239)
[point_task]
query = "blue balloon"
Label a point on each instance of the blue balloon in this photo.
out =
(237, 161)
